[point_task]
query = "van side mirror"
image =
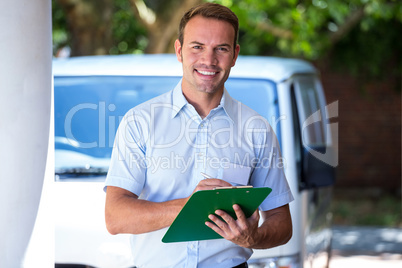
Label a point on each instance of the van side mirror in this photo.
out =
(315, 172)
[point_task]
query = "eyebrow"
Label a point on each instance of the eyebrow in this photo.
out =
(220, 45)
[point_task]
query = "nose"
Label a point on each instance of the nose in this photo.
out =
(209, 57)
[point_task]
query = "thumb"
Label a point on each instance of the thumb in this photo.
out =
(256, 215)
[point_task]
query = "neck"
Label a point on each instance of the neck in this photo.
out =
(203, 102)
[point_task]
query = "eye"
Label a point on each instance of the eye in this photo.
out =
(222, 49)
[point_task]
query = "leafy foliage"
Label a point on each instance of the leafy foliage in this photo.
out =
(128, 34)
(363, 35)
(59, 31)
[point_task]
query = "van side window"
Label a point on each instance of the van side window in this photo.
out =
(308, 103)
(308, 107)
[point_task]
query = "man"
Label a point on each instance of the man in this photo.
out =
(199, 124)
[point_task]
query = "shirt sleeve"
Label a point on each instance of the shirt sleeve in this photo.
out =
(128, 161)
(269, 172)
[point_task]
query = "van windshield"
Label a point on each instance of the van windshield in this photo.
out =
(88, 111)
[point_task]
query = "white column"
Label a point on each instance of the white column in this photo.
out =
(25, 94)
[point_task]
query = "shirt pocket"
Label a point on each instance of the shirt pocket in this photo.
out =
(235, 174)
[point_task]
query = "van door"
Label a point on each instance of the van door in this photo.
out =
(315, 165)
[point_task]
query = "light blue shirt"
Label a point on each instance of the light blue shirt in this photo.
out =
(161, 148)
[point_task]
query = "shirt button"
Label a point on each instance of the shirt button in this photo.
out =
(202, 125)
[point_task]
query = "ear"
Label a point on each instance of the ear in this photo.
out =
(177, 48)
(237, 50)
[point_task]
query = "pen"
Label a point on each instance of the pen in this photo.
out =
(206, 175)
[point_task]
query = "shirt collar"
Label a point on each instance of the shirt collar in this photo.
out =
(227, 104)
(179, 101)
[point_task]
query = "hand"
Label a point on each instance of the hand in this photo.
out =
(209, 184)
(243, 231)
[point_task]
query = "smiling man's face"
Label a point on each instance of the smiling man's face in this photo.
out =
(207, 54)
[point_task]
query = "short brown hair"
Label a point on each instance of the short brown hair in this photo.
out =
(213, 11)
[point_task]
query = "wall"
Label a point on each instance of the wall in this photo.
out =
(370, 129)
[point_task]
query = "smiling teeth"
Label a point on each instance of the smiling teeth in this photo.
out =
(207, 73)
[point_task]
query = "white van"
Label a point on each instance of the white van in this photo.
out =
(91, 94)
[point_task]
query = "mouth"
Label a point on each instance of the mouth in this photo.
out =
(206, 73)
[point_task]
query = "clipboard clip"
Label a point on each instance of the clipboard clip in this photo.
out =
(233, 187)
(225, 187)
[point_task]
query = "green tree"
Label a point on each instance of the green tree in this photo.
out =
(87, 24)
(161, 19)
(361, 34)
(93, 27)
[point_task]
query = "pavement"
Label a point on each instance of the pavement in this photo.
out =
(366, 247)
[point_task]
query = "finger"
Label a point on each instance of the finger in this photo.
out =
(229, 228)
(220, 222)
(215, 182)
(230, 222)
(224, 225)
(215, 228)
(217, 224)
(240, 214)
(209, 184)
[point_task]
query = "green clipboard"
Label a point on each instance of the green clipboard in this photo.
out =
(189, 224)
